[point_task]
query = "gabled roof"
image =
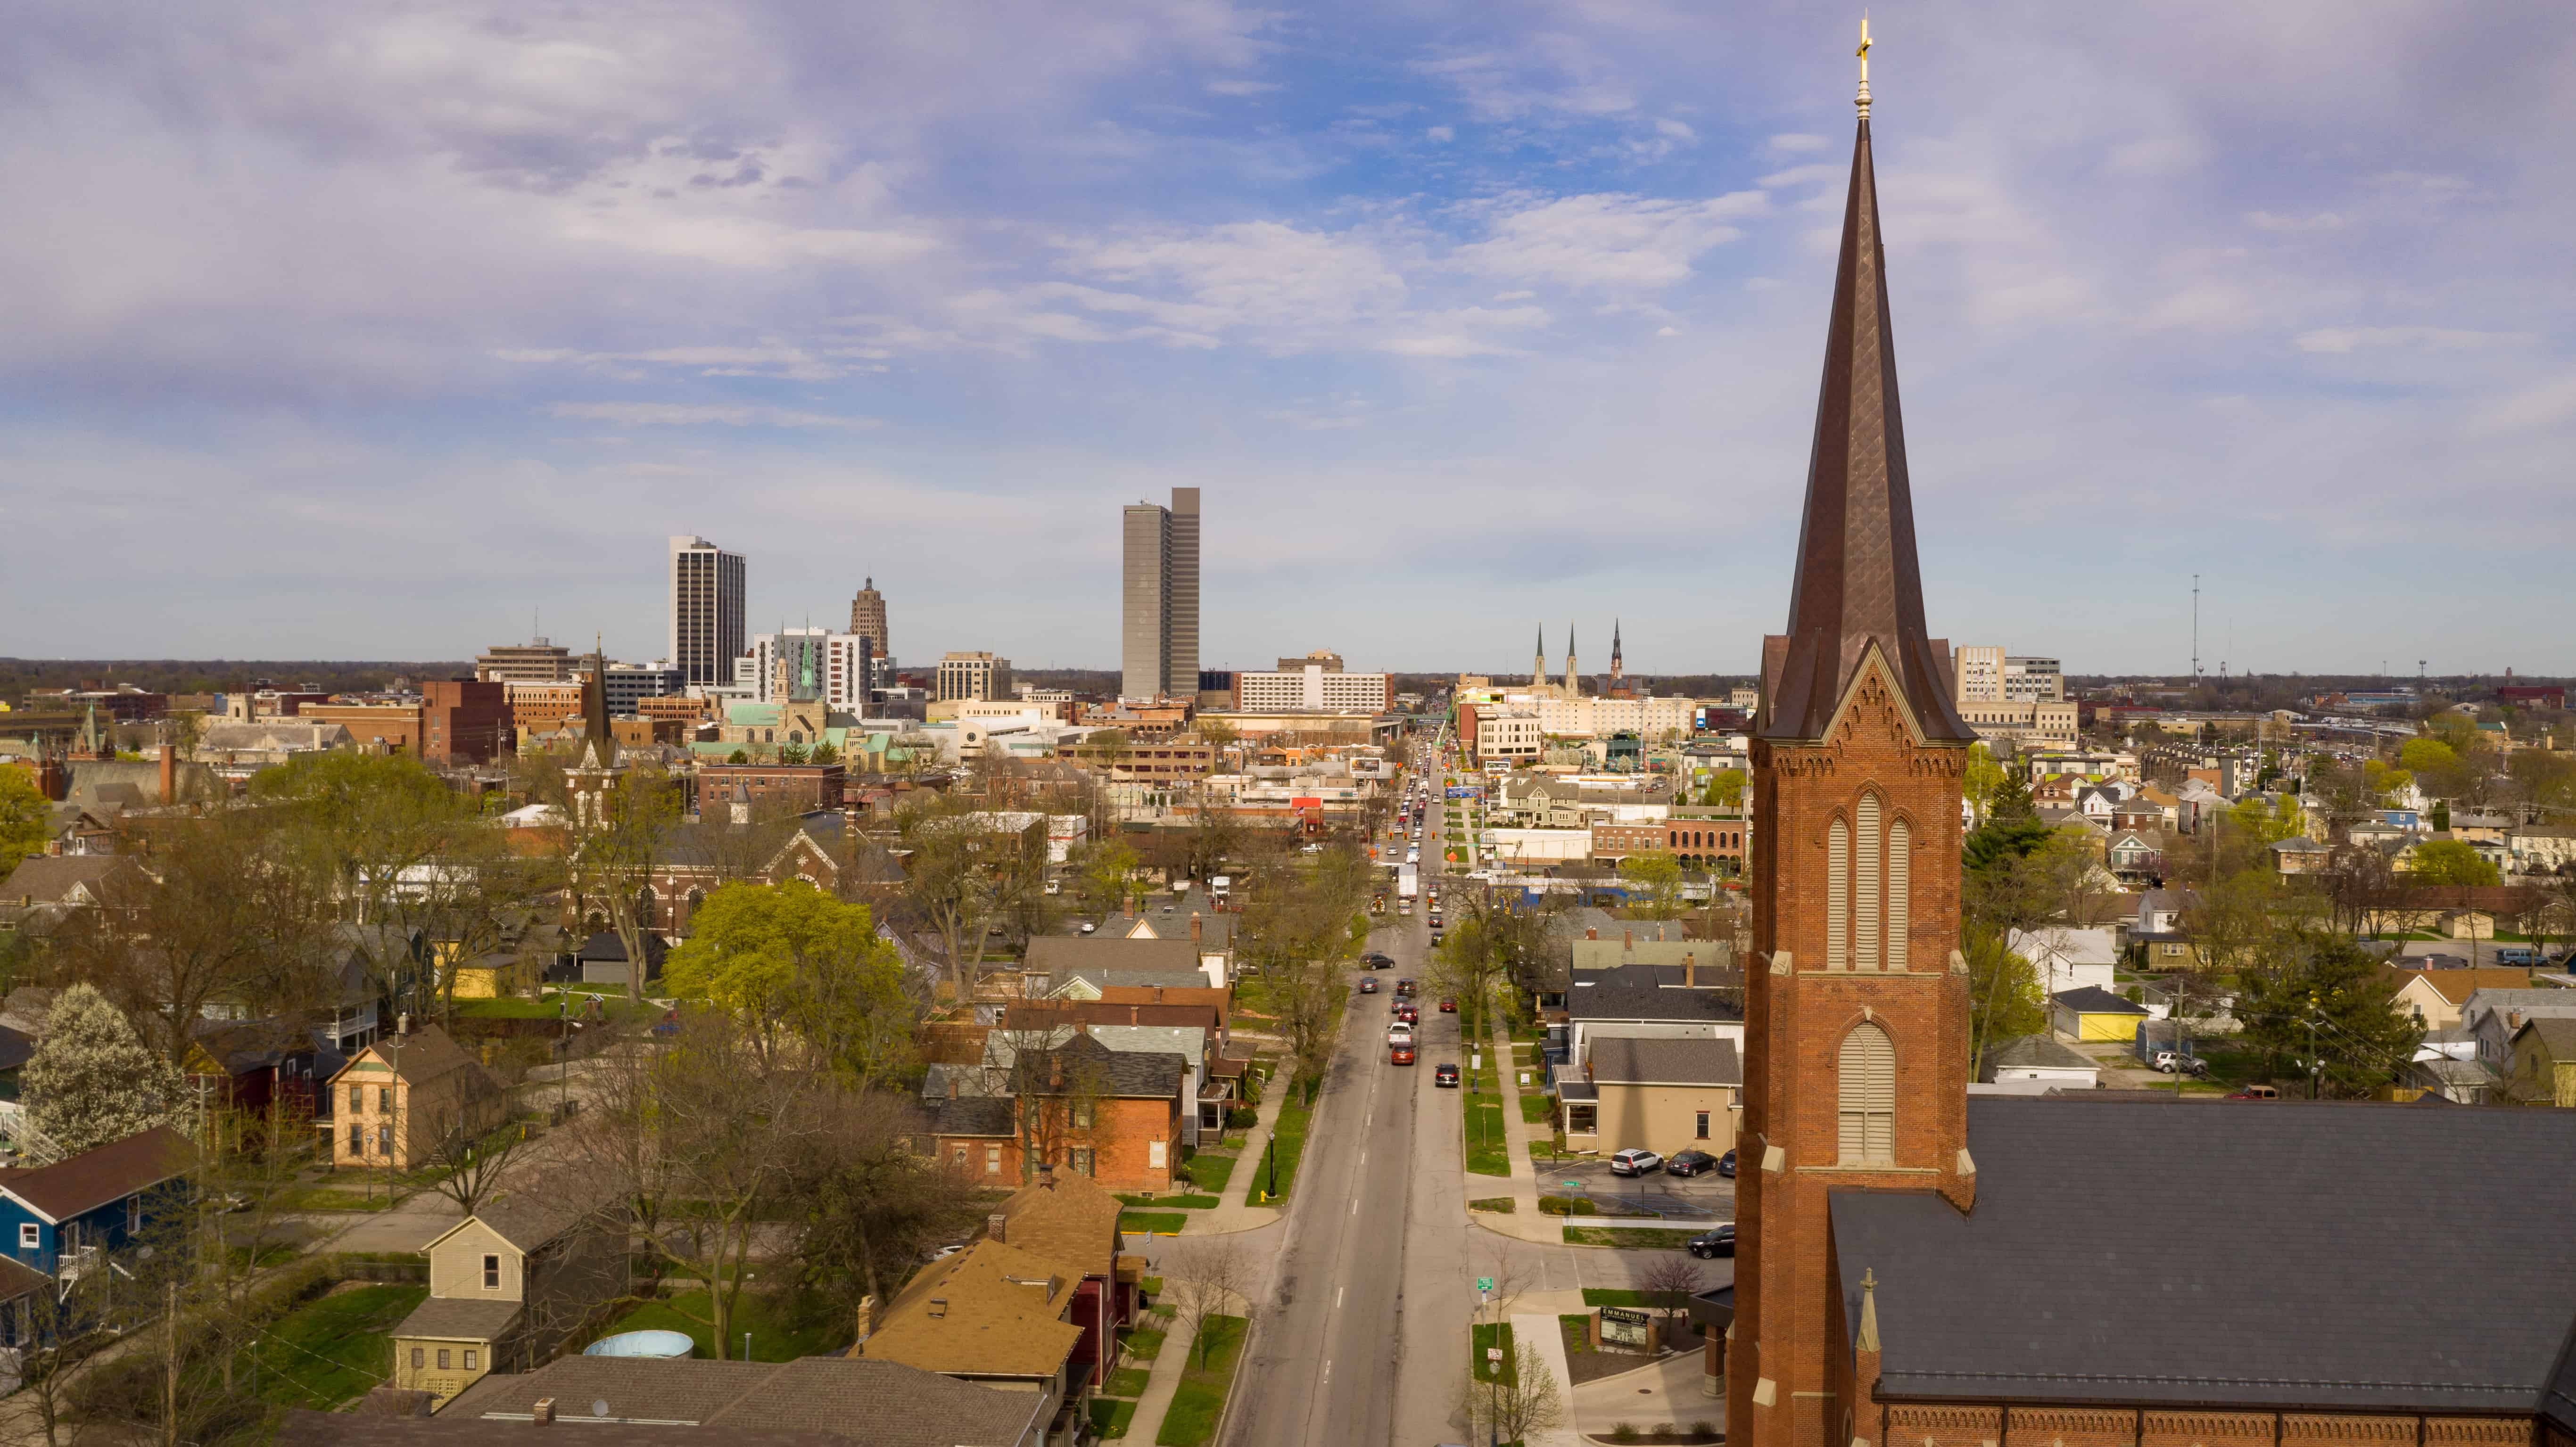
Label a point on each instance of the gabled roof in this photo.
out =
(2036, 1052)
(1071, 1220)
(2277, 1201)
(2457, 986)
(809, 1402)
(1062, 955)
(98, 1177)
(2094, 1000)
(2555, 1033)
(526, 1218)
(1629, 1060)
(991, 1309)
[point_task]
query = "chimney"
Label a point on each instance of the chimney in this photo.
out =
(997, 1227)
(169, 774)
(867, 1315)
(1195, 925)
(1628, 940)
(952, 1087)
(1591, 932)
(1690, 971)
(1046, 1177)
(544, 1411)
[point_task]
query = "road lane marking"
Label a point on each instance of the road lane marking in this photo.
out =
(1337, 1296)
(1363, 1158)
(1355, 1205)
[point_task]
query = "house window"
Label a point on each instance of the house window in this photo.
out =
(992, 1160)
(357, 1139)
(1582, 1119)
(1703, 1125)
(357, 1098)
(30, 1236)
(1081, 1160)
(419, 1358)
(491, 1273)
(1866, 1090)
(385, 1099)
(384, 1140)
(471, 1358)
(442, 1359)
(1082, 1115)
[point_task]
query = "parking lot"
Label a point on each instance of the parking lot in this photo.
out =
(1698, 1198)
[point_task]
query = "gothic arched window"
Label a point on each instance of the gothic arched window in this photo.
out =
(1866, 1091)
(1900, 888)
(1866, 842)
(1838, 896)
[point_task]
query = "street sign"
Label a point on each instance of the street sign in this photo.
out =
(1484, 1283)
(1575, 1184)
(1493, 1354)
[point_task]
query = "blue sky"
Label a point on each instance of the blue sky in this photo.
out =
(371, 329)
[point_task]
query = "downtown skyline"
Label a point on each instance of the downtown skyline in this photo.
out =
(400, 325)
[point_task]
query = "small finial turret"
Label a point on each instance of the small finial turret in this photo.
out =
(1863, 53)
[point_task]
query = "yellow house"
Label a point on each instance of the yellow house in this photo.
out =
(396, 1100)
(2089, 1012)
(2434, 997)
(1654, 1093)
(506, 1286)
(2544, 1062)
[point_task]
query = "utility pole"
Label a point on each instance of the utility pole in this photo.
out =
(2195, 630)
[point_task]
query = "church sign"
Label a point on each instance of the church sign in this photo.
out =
(1623, 1327)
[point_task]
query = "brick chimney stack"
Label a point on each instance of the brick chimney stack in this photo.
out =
(1196, 926)
(169, 773)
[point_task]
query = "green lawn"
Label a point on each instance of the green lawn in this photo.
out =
(507, 1007)
(1536, 1109)
(330, 1349)
(1627, 1238)
(1489, 1335)
(335, 1198)
(777, 1335)
(1210, 1173)
(1195, 1408)
(1170, 1203)
(1287, 1146)
(1500, 1204)
(1614, 1296)
(1489, 1146)
(1144, 1343)
(1164, 1223)
(1110, 1417)
(1126, 1382)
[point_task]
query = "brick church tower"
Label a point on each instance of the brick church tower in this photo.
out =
(1856, 1004)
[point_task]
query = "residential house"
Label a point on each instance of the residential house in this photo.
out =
(1065, 957)
(728, 846)
(2434, 996)
(2065, 958)
(601, 960)
(1662, 1094)
(2541, 848)
(47, 888)
(1068, 1219)
(506, 1286)
(255, 1066)
(2157, 934)
(1647, 1001)
(2092, 1013)
(2134, 858)
(996, 1315)
(62, 1219)
(2492, 1016)
(402, 1096)
(1112, 1115)
(2300, 855)
(624, 1401)
(2544, 1061)
(1203, 1095)
(2039, 1058)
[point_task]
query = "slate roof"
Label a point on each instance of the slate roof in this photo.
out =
(460, 1319)
(812, 1400)
(1625, 1060)
(1060, 956)
(96, 1177)
(2065, 1271)
(973, 1115)
(1603, 999)
(50, 878)
(2094, 1000)
(2036, 1052)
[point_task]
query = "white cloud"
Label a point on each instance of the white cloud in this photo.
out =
(2444, 339)
(1803, 176)
(1242, 87)
(1794, 143)
(681, 414)
(1609, 240)
(2546, 405)
(2275, 221)
(1442, 133)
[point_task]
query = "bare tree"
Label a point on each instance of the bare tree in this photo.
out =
(1204, 1279)
(1668, 1286)
(615, 860)
(467, 1161)
(1522, 1402)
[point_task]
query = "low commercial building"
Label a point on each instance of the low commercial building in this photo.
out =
(464, 720)
(1316, 682)
(1663, 1095)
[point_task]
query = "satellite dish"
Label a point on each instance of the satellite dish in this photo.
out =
(599, 1408)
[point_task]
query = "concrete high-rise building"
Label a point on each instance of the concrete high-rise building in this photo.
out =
(868, 618)
(539, 661)
(2039, 680)
(981, 676)
(1159, 596)
(804, 663)
(706, 610)
(1977, 674)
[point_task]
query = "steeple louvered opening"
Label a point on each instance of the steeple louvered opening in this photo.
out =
(1866, 1091)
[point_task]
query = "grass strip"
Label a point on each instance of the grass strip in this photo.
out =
(1489, 1150)
(1485, 1337)
(330, 1349)
(1210, 1173)
(1144, 1343)
(1126, 1382)
(1170, 1203)
(1614, 1296)
(1501, 1205)
(1537, 1109)
(1160, 1223)
(1110, 1418)
(1200, 1402)
(1287, 1147)
(1627, 1238)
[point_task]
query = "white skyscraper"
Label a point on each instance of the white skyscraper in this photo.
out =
(706, 610)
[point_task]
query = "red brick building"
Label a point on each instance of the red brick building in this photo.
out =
(799, 787)
(461, 719)
(1919, 1269)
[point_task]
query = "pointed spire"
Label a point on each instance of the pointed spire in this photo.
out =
(1867, 1340)
(1858, 585)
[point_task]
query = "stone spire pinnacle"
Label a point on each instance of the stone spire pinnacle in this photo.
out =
(1858, 585)
(1538, 661)
(1572, 688)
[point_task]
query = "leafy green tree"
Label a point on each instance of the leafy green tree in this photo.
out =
(92, 1081)
(2268, 823)
(1725, 790)
(824, 753)
(1660, 875)
(2427, 755)
(2450, 862)
(1983, 777)
(2334, 998)
(25, 823)
(790, 957)
(1112, 875)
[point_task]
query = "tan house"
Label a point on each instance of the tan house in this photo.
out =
(506, 1285)
(399, 1097)
(995, 1315)
(2544, 1062)
(1660, 1094)
(2434, 997)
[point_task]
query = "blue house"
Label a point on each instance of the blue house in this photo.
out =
(57, 1220)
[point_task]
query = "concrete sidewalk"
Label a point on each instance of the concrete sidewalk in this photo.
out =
(1670, 1390)
(1541, 1332)
(1162, 1383)
(1524, 1222)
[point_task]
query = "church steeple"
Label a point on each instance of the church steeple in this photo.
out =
(1573, 684)
(1538, 661)
(1618, 670)
(1857, 583)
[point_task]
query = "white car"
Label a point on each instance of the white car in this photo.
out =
(1635, 1163)
(1399, 1033)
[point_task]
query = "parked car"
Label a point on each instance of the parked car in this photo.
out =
(2169, 1061)
(1448, 1005)
(1720, 1242)
(1399, 1054)
(1690, 1163)
(1376, 961)
(1367, 985)
(1635, 1163)
(2255, 1092)
(1445, 1075)
(1726, 1165)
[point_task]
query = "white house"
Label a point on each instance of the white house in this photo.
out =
(2064, 958)
(2041, 1059)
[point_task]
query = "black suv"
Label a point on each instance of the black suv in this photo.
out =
(1376, 961)
(1720, 1242)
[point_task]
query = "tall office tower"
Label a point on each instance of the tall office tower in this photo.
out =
(1977, 674)
(868, 618)
(1159, 594)
(706, 610)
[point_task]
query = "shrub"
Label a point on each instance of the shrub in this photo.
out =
(1565, 1205)
(1624, 1432)
(1242, 1117)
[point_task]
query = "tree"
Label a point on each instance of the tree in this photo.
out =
(2012, 827)
(2450, 862)
(2425, 755)
(1725, 790)
(2328, 1011)
(1523, 1403)
(1203, 1279)
(1212, 838)
(616, 856)
(1668, 1286)
(947, 887)
(1660, 875)
(824, 753)
(26, 820)
(92, 1081)
(878, 1204)
(1982, 778)
(1112, 876)
(466, 1163)
(790, 961)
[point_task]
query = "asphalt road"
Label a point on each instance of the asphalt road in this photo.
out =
(1362, 1338)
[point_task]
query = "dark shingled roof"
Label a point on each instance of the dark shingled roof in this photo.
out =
(1061, 955)
(1623, 1060)
(839, 1400)
(1606, 1001)
(111, 1172)
(460, 1319)
(2032, 1052)
(1858, 582)
(2094, 1000)
(973, 1115)
(2069, 1271)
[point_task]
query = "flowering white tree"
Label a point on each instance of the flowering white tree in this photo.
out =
(91, 1080)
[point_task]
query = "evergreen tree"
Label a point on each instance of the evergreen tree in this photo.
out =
(91, 1080)
(2336, 995)
(2012, 830)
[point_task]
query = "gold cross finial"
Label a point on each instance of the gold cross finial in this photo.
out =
(1863, 53)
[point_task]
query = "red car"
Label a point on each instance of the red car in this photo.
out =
(1399, 1055)
(1448, 1006)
